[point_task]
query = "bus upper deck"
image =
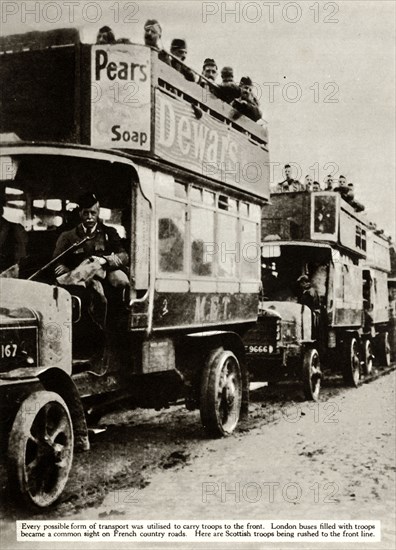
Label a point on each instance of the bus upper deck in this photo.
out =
(325, 217)
(123, 97)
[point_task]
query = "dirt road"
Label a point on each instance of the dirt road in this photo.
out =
(291, 460)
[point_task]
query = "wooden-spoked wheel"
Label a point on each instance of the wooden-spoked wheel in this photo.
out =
(221, 393)
(40, 448)
(311, 374)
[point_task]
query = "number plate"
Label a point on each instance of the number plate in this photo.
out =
(267, 349)
(18, 347)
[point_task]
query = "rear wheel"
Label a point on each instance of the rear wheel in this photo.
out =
(40, 448)
(384, 351)
(368, 357)
(351, 362)
(221, 393)
(311, 374)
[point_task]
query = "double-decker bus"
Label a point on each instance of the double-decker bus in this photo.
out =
(325, 298)
(183, 181)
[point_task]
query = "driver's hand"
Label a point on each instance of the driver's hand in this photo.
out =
(60, 270)
(99, 259)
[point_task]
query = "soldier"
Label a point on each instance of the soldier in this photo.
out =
(100, 258)
(308, 183)
(329, 183)
(316, 186)
(179, 50)
(13, 240)
(247, 104)
(105, 36)
(209, 70)
(228, 89)
(152, 38)
(342, 187)
(288, 184)
(309, 295)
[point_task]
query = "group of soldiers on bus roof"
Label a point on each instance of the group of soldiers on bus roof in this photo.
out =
(346, 190)
(240, 97)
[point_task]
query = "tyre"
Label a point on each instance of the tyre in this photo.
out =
(384, 351)
(221, 393)
(40, 448)
(311, 374)
(351, 362)
(368, 357)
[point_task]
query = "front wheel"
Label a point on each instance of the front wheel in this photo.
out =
(221, 393)
(351, 362)
(311, 374)
(40, 448)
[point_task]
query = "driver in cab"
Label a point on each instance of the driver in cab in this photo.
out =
(99, 258)
(103, 244)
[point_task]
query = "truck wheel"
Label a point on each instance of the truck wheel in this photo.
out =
(367, 357)
(40, 448)
(384, 351)
(351, 362)
(311, 374)
(221, 393)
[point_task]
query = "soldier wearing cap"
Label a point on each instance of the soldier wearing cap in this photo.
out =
(13, 239)
(179, 50)
(103, 245)
(247, 104)
(209, 71)
(316, 187)
(342, 187)
(289, 183)
(228, 89)
(308, 183)
(105, 36)
(329, 183)
(152, 38)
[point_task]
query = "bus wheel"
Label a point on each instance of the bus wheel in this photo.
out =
(221, 393)
(384, 351)
(311, 374)
(351, 362)
(40, 448)
(367, 357)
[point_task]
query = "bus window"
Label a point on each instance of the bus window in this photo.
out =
(227, 239)
(171, 234)
(250, 251)
(202, 241)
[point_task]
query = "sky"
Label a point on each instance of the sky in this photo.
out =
(330, 67)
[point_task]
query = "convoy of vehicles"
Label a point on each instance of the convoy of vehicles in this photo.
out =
(166, 161)
(171, 167)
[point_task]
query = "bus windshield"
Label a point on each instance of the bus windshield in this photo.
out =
(39, 200)
(280, 273)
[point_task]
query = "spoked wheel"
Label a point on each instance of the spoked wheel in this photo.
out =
(351, 362)
(40, 448)
(221, 393)
(367, 357)
(311, 374)
(384, 354)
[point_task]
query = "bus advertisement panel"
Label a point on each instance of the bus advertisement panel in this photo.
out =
(121, 97)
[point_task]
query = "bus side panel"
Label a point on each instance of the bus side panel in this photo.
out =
(380, 297)
(348, 303)
(200, 310)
